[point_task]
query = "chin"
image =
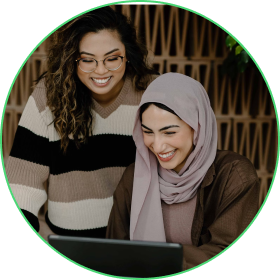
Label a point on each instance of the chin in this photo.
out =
(100, 90)
(167, 165)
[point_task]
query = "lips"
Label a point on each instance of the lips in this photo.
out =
(167, 156)
(100, 82)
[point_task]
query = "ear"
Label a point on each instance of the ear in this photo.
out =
(196, 135)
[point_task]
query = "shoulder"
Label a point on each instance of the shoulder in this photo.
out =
(40, 95)
(234, 171)
(128, 175)
(126, 182)
(237, 163)
(36, 109)
(151, 78)
(133, 96)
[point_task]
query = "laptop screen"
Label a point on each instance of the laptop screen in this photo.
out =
(121, 257)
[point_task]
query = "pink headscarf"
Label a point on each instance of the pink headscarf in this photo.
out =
(152, 183)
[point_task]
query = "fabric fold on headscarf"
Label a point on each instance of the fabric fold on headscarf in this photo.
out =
(152, 183)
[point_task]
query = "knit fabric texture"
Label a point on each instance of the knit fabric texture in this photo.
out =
(81, 182)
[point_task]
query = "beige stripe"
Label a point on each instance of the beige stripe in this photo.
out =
(40, 123)
(40, 96)
(32, 120)
(79, 215)
(80, 185)
(29, 199)
(26, 173)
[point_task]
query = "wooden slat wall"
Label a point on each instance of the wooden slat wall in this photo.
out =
(180, 41)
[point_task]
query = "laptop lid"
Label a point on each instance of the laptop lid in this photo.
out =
(121, 257)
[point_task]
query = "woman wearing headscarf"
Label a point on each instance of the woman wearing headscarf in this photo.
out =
(181, 189)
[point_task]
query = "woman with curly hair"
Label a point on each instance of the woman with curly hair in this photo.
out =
(76, 129)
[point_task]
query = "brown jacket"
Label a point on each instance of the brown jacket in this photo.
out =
(227, 201)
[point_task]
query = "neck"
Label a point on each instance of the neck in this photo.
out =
(178, 168)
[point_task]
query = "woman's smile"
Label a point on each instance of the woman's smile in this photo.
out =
(101, 82)
(167, 156)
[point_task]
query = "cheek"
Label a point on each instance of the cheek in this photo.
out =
(188, 143)
(177, 142)
(147, 140)
(183, 141)
(80, 74)
(121, 70)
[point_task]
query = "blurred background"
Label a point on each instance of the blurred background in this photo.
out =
(181, 41)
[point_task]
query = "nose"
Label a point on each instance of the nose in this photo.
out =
(101, 69)
(158, 145)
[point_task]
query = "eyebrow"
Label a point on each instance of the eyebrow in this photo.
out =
(104, 54)
(164, 128)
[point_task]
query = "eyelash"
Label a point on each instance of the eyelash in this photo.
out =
(89, 58)
(167, 133)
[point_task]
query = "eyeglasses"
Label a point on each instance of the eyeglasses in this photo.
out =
(111, 63)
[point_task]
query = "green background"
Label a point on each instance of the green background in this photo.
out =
(23, 27)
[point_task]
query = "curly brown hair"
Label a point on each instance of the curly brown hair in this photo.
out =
(68, 98)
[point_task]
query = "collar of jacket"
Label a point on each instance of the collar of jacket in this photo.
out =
(199, 212)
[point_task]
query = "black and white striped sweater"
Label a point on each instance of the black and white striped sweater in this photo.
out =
(82, 182)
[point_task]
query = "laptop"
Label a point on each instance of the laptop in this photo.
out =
(121, 257)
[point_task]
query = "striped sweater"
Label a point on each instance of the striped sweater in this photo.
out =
(82, 182)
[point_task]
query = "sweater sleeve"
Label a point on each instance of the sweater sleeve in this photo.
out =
(237, 209)
(27, 167)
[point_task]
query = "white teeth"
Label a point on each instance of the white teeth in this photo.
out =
(101, 81)
(167, 155)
